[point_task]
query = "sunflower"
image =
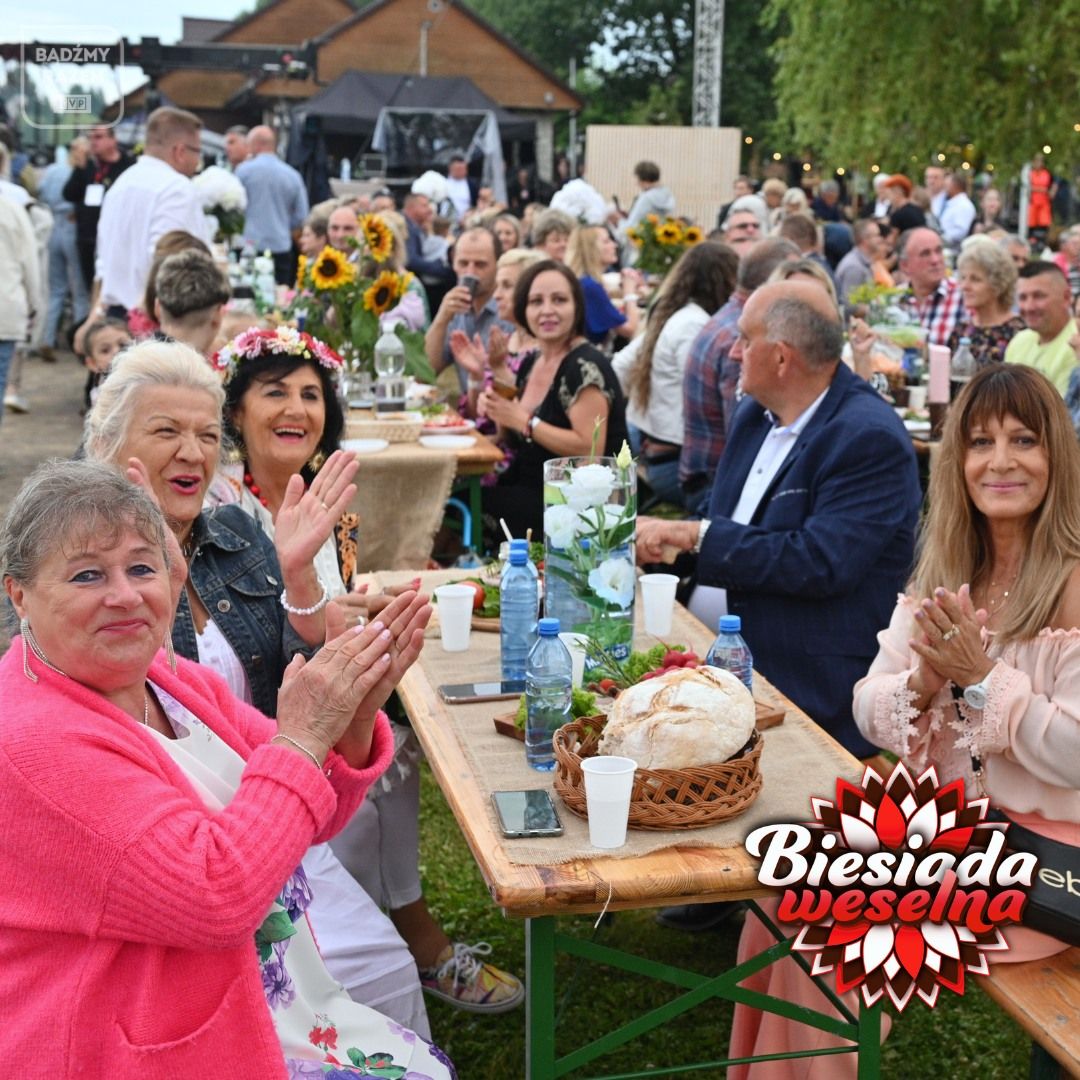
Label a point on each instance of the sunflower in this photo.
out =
(669, 234)
(301, 269)
(331, 269)
(379, 236)
(693, 235)
(382, 293)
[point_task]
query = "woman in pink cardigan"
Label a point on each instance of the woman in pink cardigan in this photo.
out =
(154, 923)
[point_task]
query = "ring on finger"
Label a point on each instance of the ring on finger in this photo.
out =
(950, 633)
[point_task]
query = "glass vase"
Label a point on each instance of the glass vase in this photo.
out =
(590, 517)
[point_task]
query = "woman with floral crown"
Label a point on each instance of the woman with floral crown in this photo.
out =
(283, 415)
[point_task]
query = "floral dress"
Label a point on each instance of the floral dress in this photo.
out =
(988, 343)
(323, 1032)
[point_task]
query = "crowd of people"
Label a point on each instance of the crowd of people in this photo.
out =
(211, 521)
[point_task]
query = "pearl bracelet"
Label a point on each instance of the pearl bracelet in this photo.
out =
(316, 607)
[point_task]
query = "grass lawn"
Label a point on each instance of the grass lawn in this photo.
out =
(962, 1037)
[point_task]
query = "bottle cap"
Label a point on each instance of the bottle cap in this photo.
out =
(965, 341)
(548, 627)
(518, 556)
(519, 542)
(730, 624)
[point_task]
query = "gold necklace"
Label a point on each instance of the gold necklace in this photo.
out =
(992, 608)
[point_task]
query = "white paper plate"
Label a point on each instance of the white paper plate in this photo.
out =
(364, 446)
(447, 442)
(917, 427)
(452, 429)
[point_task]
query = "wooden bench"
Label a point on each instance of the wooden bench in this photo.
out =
(1043, 997)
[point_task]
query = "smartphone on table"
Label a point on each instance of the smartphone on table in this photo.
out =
(464, 693)
(526, 813)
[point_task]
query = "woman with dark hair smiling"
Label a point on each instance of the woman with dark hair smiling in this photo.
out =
(283, 415)
(567, 391)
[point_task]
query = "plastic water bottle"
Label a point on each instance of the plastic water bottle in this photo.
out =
(389, 370)
(548, 680)
(524, 545)
(961, 367)
(731, 653)
(517, 615)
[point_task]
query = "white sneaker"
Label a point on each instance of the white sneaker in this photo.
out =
(16, 403)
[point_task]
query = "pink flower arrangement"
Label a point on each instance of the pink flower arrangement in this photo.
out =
(254, 344)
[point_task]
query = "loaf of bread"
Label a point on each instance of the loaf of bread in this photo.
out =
(685, 717)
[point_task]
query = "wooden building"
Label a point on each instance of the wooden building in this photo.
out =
(427, 37)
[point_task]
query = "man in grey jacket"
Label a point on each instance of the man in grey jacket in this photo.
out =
(654, 199)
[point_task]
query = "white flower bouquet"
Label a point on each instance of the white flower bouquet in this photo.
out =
(224, 197)
(590, 518)
(582, 202)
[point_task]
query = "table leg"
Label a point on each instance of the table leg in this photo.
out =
(540, 998)
(476, 508)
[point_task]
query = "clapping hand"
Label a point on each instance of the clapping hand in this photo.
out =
(469, 353)
(306, 518)
(511, 415)
(950, 648)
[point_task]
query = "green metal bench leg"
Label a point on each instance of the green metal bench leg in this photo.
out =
(540, 998)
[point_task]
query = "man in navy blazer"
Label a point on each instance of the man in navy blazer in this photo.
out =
(811, 524)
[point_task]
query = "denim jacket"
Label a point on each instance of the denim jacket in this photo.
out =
(235, 573)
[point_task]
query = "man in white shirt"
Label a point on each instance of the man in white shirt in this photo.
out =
(460, 190)
(151, 198)
(959, 212)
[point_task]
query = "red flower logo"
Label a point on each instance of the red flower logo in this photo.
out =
(901, 887)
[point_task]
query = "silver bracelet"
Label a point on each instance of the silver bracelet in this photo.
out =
(316, 607)
(300, 746)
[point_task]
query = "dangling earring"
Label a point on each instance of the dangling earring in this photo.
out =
(170, 653)
(315, 463)
(24, 630)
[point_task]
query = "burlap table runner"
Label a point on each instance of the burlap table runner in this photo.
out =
(401, 496)
(796, 761)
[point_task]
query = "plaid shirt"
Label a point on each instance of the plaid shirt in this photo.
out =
(709, 393)
(939, 313)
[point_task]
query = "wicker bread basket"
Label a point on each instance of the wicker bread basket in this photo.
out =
(662, 798)
(399, 429)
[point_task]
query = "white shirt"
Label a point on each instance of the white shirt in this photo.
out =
(956, 219)
(663, 417)
(457, 191)
(146, 201)
(709, 603)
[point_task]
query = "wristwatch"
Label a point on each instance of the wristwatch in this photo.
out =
(975, 695)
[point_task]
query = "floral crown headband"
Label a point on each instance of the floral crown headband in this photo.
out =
(257, 344)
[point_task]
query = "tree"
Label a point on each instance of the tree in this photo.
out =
(984, 81)
(636, 56)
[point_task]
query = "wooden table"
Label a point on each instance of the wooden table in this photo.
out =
(676, 875)
(471, 464)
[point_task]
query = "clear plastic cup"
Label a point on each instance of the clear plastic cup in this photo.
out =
(609, 782)
(455, 615)
(575, 646)
(658, 597)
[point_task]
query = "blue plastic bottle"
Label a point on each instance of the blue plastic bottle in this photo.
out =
(524, 545)
(548, 679)
(518, 602)
(730, 652)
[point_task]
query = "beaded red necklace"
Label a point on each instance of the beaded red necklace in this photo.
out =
(249, 483)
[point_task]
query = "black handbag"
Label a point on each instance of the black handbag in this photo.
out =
(1053, 903)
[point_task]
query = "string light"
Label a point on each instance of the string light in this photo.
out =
(875, 168)
(966, 165)
(940, 157)
(806, 166)
(1076, 127)
(1046, 149)
(989, 168)
(776, 156)
(840, 172)
(749, 140)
